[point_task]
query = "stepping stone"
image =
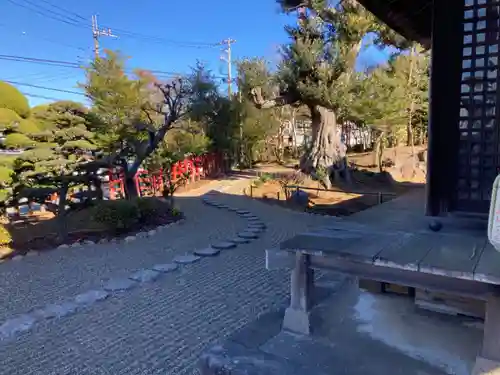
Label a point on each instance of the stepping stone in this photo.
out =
(145, 276)
(57, 310)
(248, 235)
(249, 215)
(259, 225)
(207, 252)
(254, 230)
(242, 212)
(115, 285)
(224, 245)
(253, 218)
(91, 297)
(239, 240)
(186, 259)
(20, 324)
(166, 268)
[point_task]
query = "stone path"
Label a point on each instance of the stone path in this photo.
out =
(127, 309)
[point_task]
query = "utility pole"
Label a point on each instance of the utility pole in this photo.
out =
(96, 33)
(228, 59)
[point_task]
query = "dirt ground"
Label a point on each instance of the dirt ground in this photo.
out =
(368, 186)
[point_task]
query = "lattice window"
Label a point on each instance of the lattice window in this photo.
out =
(478, 149)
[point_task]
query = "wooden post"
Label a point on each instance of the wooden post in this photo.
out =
(379, 197)
(489, 360)
(442, 151)
(297, 316)
(251, 191)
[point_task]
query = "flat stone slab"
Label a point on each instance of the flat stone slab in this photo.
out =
(19, 324)
(114, 285)
(242, 212)
(249, 216)
(145, 276)
(166, 268)
(235, 359)
(186, 259)
(240, 240)
(257, 225)
(254, 219)
(254, 230)
(207, 252)
(91, 297)
(224, 245)
(57, 310)
(248, 235)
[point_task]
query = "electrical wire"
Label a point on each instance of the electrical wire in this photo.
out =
(77, 20)
(46, 13)
(74, 65)
(44, 87)
(41, 96)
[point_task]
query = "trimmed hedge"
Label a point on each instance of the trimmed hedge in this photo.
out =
(5, 237)
(122, 215)
(12, 98)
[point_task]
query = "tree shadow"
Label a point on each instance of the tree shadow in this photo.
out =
(366, 189)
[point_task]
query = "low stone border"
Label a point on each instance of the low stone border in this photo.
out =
(25, 322)
(103, 241)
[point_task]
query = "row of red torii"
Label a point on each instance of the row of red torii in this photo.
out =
(196, 168)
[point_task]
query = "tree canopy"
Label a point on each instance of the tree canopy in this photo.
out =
(12, 98)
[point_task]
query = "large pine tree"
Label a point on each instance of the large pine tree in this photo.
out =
(317, 67)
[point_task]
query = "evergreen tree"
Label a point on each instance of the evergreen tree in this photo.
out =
(316, 71)
(134, 113)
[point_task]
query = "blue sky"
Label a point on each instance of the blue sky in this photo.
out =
(257, 27)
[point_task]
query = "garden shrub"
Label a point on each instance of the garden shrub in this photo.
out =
(16, 140)
(8, 118)
(5, 237)
(149, 209)
(12, 98)
(119, 215)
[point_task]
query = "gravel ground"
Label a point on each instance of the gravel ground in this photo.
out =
(155, 328)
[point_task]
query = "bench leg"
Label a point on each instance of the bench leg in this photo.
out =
(488, 362)
(297, 316)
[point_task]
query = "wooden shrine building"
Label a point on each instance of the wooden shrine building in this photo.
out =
(464, 138)
(393, 243)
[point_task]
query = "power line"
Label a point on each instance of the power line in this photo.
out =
(77, 20)
(41, 96)
(64, 10)
(74, 65)
(47, 13)
(44, 87)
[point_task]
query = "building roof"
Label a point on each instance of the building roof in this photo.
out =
(410, 18)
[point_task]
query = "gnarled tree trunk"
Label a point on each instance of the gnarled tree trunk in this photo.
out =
(327, 150)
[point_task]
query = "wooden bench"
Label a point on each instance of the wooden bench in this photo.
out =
(458, 260)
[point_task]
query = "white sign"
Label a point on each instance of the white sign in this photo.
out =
(494, 218)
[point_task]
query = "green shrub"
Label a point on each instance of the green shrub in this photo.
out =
(119, 215)
(5, 237)
(16, 140)
(149, 208)
(8, 118)
(27, 127)
(12, 98)
(5, 175)
(265, 177)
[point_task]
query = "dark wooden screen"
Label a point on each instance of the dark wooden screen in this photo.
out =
(478, 148)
